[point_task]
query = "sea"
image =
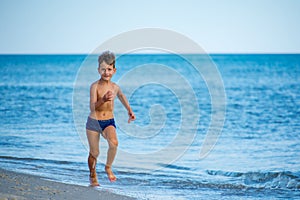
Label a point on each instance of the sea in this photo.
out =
(219, 126)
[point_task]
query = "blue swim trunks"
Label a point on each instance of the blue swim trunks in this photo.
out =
(99, 125)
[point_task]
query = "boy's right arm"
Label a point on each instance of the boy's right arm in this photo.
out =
(93, 97)
(94, 101)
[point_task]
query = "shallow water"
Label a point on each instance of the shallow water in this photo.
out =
(44, 107)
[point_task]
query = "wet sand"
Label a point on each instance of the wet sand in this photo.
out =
(20, 186)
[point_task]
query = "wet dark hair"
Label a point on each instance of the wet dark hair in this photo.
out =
(107, 57)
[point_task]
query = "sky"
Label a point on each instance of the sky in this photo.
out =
(80, 26)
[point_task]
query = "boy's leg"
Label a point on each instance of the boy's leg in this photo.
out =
(93, 139)
(110, 135)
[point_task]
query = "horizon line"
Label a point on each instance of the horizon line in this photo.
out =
(160, 53)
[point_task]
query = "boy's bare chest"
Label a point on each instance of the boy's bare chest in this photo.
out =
(102, 90)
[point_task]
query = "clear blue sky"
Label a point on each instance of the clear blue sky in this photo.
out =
(219, 26)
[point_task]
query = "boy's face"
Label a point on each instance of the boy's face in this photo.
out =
(106, 71)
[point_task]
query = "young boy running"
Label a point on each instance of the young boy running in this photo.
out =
(101, 118)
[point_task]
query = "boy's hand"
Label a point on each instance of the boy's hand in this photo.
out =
(131, 116)
(109, 95)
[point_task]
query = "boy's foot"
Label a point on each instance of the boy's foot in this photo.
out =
(110, 174)
(94, 180)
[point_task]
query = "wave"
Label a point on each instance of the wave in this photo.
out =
(268, 180)
(37, 160)
(172, 166)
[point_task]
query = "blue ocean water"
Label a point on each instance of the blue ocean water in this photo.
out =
(44, 100)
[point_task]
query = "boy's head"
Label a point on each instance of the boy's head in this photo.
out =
(107, 57)
(106, 66)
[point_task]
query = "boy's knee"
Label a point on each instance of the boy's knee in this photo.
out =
(95, 154)
(113, 143)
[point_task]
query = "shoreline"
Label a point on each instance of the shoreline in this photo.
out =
(19, 186)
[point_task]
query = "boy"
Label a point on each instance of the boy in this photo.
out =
(101, 119)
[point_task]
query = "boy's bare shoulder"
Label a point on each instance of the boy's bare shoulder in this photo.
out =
(114, 84)
(94, 84)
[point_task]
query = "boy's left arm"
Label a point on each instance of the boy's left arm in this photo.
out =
(125, 103)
